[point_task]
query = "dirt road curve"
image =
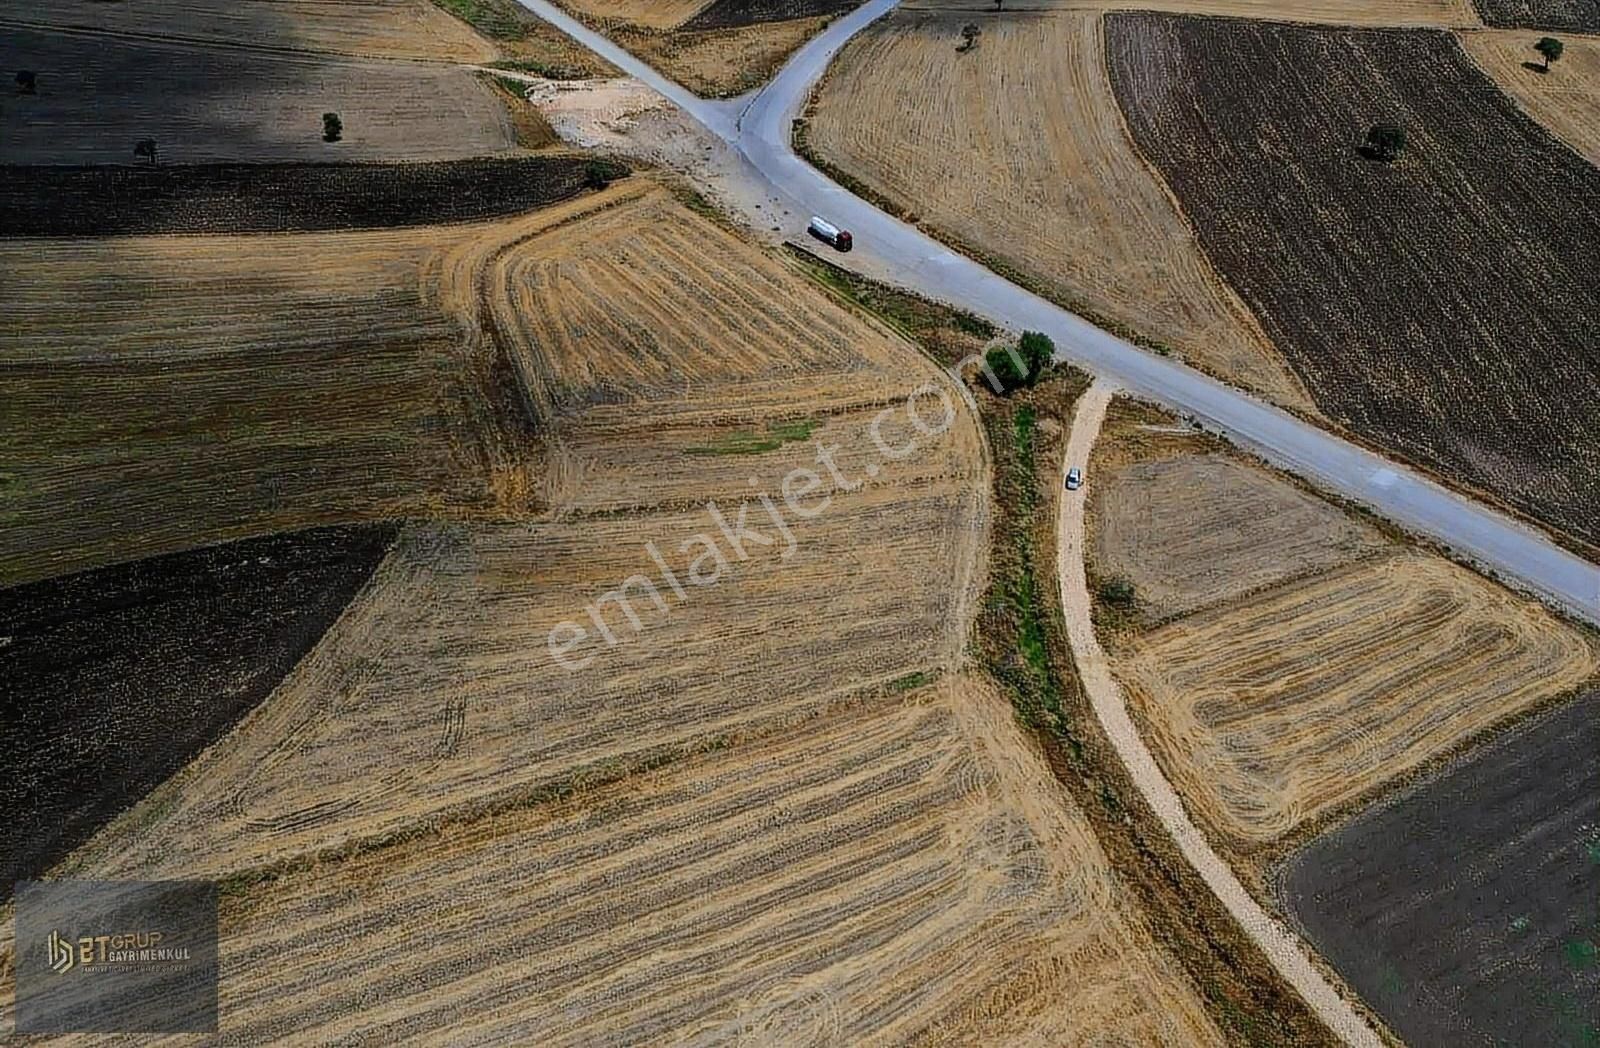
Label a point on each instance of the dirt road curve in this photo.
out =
(1280, 946)
(790, 190)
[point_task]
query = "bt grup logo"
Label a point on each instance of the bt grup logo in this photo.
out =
(61, 958)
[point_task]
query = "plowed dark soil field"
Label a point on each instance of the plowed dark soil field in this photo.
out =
(1468, 911)
(1580, 15)
(111, 680)
(729, 14)
(271, 198)
(1443, 305)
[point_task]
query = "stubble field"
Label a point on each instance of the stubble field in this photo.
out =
(375, 28)
(1037, 172)
(754, 778)
(1277, 709)
(893, 872)
(1565, 100)
(98, 95)
(1447, 282)
(1324, 660)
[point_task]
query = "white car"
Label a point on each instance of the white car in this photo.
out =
(1074, 479)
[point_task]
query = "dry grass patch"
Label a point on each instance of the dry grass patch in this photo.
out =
(896, 872)
(379, 28)
(1348, 12)
(1566, 100)
(1270, 712)
(1036, 171)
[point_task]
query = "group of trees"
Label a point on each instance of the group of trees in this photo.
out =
(1022, 365)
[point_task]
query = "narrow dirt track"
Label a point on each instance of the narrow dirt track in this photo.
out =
(1282, 949)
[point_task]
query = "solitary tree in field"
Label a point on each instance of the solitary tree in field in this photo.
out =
(1550, 48)
(332, 127)
(969, 36)
(28, 82)
(145, 149)
(1385, 141)
(999, 4)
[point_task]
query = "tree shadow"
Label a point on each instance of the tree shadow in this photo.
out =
(1376, 155)
(1535, 67)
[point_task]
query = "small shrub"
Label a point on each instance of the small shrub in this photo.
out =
(1118, 592)
(332, 127)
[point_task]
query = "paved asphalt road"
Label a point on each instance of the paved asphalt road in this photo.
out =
(759, 129)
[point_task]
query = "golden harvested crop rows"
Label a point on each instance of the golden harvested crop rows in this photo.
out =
(1346, 12)
(200, 102)
(651, 305)
(179, 390)
(381, 28)
(438, 689)
(1566, 100)
(653, 14)
(1194, 530)
(892, 873)
(1271, 711)
(1037, 171)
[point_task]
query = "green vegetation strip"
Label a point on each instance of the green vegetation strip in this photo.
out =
(747, 442)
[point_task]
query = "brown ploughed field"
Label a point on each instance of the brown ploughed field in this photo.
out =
(1435, 304)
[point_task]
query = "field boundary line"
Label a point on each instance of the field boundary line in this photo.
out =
(1280, 946)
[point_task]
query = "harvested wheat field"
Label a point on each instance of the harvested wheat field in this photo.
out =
(97, 96)
(377, 28)
(1195, 530)
(1346, 12)
(655, 311)
(1566, 100)
(687, 782)
(441, 690)
(894, 872)
(203, 388)
(1037, 172)
(1274, 710)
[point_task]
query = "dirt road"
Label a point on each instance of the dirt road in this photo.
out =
(1279, 945)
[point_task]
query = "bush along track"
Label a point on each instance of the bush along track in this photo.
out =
(1020, 641)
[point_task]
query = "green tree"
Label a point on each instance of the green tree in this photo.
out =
(1550, 48)
(332, 127)
(145, 149)
(1386, 141)
(1002, 361)
(969, 36)
(1038, 351)
(28, 82)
